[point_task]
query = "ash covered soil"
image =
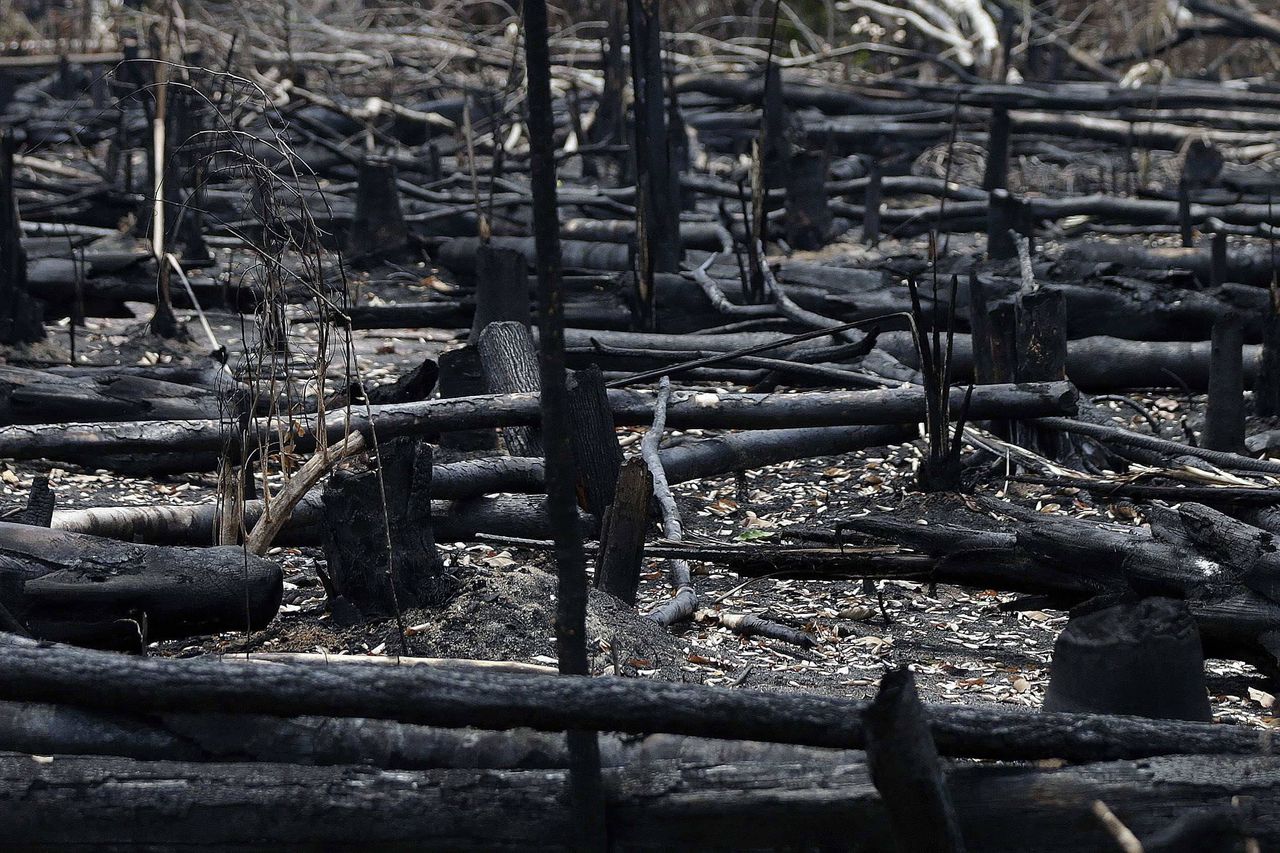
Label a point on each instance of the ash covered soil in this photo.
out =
(962, 647)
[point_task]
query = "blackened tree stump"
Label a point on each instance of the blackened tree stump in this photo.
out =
(369, 511)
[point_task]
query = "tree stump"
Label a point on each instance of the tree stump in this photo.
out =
(359, 526)
(1142, 659)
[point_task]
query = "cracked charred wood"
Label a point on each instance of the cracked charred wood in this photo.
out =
(622, 530)
(39, 396)
(689, 409)
(33, 671)
(378, 543)
(1224, 414)
(652, 803)
(597, 457)
(39, 509)
(509, 358)
(103, 593)
(1040, 354)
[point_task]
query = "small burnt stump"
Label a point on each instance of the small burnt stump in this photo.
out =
(357, 531)
(1141, 658)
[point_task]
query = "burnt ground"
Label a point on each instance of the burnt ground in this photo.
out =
(961, 646)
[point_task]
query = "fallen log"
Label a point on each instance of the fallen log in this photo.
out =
(36, 396)
(32, 671)
(653, 804)
(1221, 567)
(92, 444)
(457, 481)
(100, 592)
(325, 741)
(1246, 265)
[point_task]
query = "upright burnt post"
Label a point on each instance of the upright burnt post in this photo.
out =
(1201, 165)
(510, 361)
(461, 375)
(610, 123)
(163, 322)
(502, 289)
(1218, 259)
(1041, 353)
(597, 456)
(1266, 384)
(808, 215)
(622, 533)
(996, 174)
(21, 318)
(871, 199)
(657, 208)
(775, 118)
(378, 226)
(906, 769)
(585, 787)
(366, 511)
(1224, 416)
(188, 168)
(1004, 217)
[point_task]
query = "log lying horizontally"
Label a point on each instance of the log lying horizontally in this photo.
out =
(100, 592)
(41, 729)
(93, 444)
(44, 672)
(460, 481)
(36, 396)
(1225, 569)
(654, 804)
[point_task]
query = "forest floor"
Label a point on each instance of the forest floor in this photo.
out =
(962, 646)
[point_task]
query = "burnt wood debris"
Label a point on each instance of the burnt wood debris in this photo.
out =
(642, 424)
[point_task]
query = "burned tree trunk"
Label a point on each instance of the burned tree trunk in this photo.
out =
(502, 289)
(378, 539)
(378, 227)
(510, 361)
(35, 396)
(622, 532)
(107, 594)
(596, 454)
(20, 317)
(906, 770)
(1224, 416)
(808, 216)
(462, 375)
(653, 804)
